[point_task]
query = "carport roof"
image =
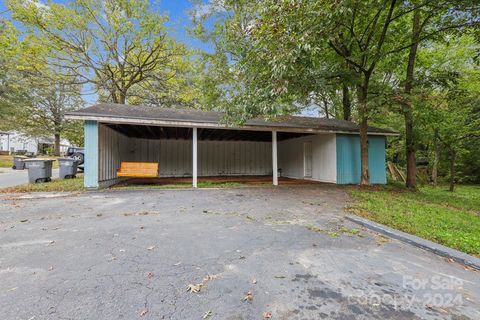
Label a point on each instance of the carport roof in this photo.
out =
(147, 115)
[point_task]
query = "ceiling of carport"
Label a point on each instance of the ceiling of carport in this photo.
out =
(178, 133)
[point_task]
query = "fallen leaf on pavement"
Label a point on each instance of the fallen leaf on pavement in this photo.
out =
(194, 288)
(249, 296)
(209, 277)
(267, 315)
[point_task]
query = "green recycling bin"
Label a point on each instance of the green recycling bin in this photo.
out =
(68, 168)
(18, 162)
(39, 170)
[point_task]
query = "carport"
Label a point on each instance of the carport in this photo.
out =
(195, 143)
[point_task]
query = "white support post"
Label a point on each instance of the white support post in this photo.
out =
(274, 158)
(194, 161)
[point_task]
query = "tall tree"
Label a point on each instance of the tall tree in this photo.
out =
(11, 82)
(44, 112)
(429, 20)
(120, 49)
(284, 50)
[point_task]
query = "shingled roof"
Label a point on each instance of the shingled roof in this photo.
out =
(147, 115)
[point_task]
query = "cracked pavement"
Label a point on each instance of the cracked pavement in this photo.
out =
(132, 254)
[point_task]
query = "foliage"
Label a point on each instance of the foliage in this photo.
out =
(73, 132)
(274, 56)
(43, 114)
(451, 219)
(120, 49)
(11, 82)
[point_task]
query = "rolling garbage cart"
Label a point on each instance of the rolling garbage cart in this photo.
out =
(18, 162)
(39, 170)
(68, 168)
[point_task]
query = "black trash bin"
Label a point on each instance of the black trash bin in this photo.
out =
(68, 168)
(39, 170)
(18, 162)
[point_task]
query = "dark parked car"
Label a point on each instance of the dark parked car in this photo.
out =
(77, 154)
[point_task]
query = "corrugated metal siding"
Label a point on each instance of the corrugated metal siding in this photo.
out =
(349, 160)
(214, 157)
(291, 157)
(113, 149)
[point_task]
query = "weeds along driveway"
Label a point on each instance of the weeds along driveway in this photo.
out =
(249, 251)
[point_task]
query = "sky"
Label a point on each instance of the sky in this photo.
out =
(180, 21)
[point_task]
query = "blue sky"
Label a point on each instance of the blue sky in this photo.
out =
(179, 19)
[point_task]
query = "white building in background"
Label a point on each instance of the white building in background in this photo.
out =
(13, 142)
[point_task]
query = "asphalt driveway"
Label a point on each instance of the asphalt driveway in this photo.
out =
(252, 253)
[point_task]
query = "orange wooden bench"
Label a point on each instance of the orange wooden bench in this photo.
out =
(138, 170)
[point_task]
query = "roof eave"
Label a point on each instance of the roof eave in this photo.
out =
(208, 125)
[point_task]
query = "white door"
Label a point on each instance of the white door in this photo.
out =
(307, 159)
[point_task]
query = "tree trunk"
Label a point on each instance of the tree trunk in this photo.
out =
(325, 108)
(453, 155)
(346, 103)
(363, 108)
(436, 158)
(365, 180)
(122, 99)
(411, 181)
(57, 145)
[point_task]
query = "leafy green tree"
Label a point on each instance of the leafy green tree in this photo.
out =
(11, 87)
(448, 106)
(276, 53)
(119, 49)
(282, 51)
(44, 113)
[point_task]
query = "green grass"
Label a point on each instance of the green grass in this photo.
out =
(5, 164)
(451, 219)
(56, 185)
(6, 161)
(200, 184)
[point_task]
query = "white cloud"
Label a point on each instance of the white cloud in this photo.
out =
(208, 8)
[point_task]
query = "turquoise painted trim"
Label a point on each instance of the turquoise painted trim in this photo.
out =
(377, 166)
(91, 154)
(349, 160)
